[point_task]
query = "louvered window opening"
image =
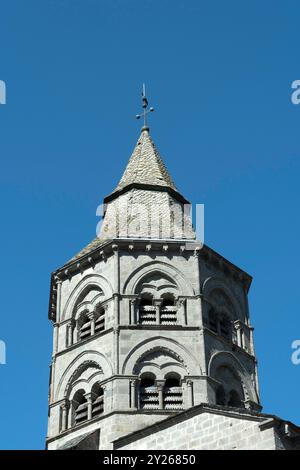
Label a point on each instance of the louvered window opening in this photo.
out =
(220, 325)
(173, 399)
(98, 406)
(168, 315)
(81, 413)
(149, 399)
(100, 323)
(147, 315)
(85, 330)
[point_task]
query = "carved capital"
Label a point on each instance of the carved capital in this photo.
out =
(133, 382)
(160, 385)
(65, 404)
(91, 315)
(238, 325)
(90, 396)
(180, 302)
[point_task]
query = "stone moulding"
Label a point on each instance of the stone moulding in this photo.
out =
(73, 368)
(170, 346)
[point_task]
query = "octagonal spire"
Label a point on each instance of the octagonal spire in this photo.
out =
(145, 166)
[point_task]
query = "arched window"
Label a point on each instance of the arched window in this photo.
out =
(168, 310)
(234, 399)
(147, 311)
(79, 407)
(220, 323)
(89, 324)
(148, 393)
(230, 392)
(172, 392)
(220, 396)
(97, 400)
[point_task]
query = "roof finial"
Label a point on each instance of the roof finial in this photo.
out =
(145, 111)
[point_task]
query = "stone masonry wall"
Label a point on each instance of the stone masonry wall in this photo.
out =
(209, 431)
(111, 428)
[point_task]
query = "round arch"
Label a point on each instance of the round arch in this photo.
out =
(166, 345)
(152, 267)
(82, 361)
(215, 283)
(88, 281)
(225, 358)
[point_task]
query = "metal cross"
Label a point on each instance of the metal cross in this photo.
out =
(145, 105)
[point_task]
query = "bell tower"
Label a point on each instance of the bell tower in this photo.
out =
(146, 321)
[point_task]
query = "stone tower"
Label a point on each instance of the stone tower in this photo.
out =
(147, 322)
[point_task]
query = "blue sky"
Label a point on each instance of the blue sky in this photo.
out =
(219, 75)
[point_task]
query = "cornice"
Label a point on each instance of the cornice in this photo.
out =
(86, 424)
(104, 251)
(233, 347)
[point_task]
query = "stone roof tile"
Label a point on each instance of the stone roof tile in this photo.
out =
(145, 165)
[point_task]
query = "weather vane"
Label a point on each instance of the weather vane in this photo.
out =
(145, 105)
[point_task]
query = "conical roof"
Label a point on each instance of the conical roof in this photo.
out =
(145, 165)
(145, 182)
